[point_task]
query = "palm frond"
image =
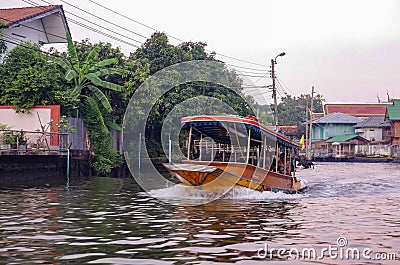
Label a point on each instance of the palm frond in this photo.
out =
(64, 63)
(98, 82)
(76, 91)
(100, 97)
(72, 53)
(95, 107)
(102, 64)
(108, 120)
(113, 125)
(71, 74)
(111, 71)
(90, 58)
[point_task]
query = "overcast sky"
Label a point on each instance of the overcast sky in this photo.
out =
(349, 50)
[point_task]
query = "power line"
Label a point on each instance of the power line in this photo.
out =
(102, 19)
(247, 68)
(91, 28)
(117, 39)
(250, 72)
(264, 76)
(285, 86)
(259, 76)
(104, 28)
(283, 90)
(16, 41)
(149, 27)
(33, 3)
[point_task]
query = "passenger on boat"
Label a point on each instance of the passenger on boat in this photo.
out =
(282, 164)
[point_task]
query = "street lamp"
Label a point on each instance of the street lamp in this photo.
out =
(281, 54)
(273, 62)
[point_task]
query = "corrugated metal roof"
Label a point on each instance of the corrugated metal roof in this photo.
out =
(338, 118)
(344, 138)
(12, 16)
(394, 110)
(373, 122)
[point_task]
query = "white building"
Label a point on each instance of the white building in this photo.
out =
(372, 128)
(39, 24)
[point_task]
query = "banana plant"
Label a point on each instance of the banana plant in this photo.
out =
(86, 76)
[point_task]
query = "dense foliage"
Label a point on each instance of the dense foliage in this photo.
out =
(158, 53)
(96, 81)
(3, 46)
(29, 78)
(292, 110)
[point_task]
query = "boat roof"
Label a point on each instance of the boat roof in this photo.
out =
(211, 126)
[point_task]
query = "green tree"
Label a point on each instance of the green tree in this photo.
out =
(158, 53)
(3, 46)
(292, 109)
(265, 114)
(28, 79)
(135, 73)
(87, 79)
(86, 76)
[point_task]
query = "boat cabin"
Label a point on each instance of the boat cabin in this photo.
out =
(236, 139)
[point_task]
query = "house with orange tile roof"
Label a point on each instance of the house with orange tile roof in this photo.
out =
(39, 24)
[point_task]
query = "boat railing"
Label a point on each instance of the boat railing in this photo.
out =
(208, 150)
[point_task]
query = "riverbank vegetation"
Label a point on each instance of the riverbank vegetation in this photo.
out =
(96, 81)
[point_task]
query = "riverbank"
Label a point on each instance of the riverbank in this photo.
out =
(18, 170)
(357, 159)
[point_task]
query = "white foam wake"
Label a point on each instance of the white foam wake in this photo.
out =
(180, 191)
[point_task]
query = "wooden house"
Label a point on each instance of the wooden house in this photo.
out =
(335, 124)
(374, 129)
(393, 115)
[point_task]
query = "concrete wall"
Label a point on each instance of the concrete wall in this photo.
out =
(34, 170)
(28, 120)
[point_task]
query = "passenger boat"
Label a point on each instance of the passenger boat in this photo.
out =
(224, 151)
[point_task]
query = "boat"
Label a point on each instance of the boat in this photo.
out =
(228, 150)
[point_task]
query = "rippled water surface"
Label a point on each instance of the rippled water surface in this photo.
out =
(111, 221)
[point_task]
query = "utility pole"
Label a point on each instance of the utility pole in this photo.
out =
(309, 150)
(273, 62)
(307, 126)
(274, 93)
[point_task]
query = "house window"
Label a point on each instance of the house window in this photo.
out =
(372, 130)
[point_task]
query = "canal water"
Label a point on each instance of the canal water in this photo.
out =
(350, 214)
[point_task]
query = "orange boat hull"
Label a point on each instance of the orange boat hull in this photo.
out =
(214, 176)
